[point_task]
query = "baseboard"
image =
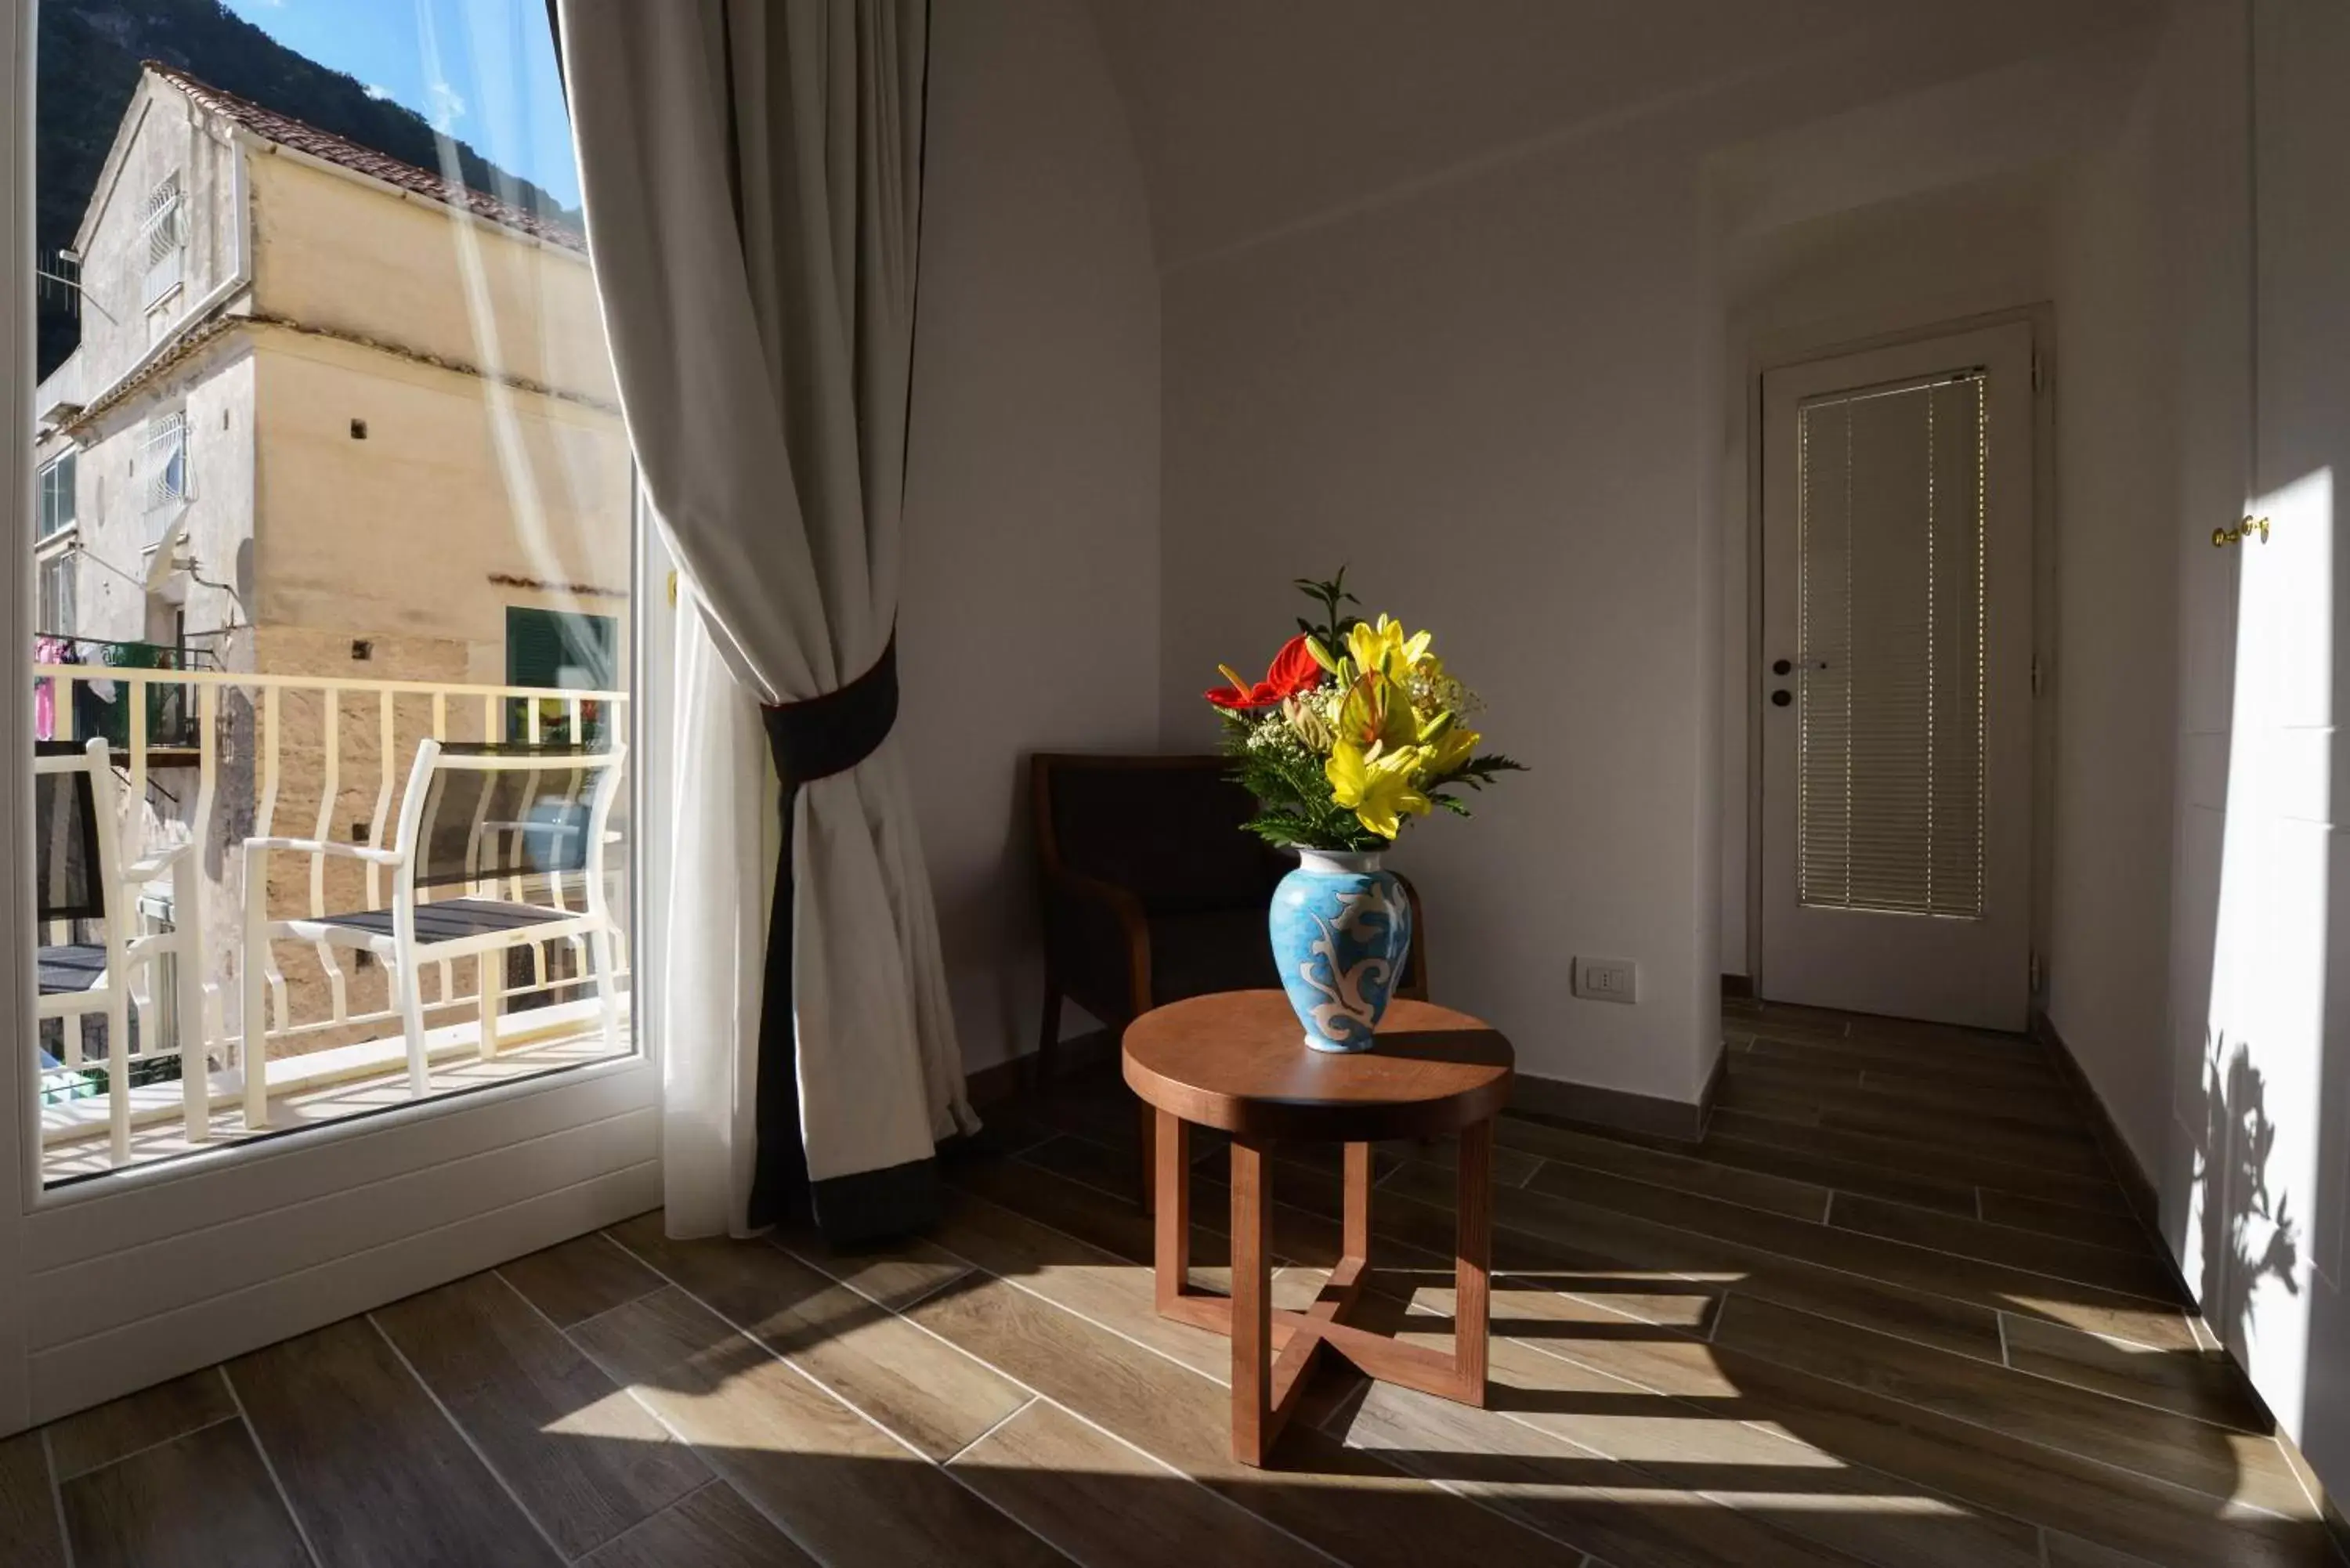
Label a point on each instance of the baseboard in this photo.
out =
(2137, 1186)
(1007, 1080)
(1554, 1099)
(992, 1086)
(2139, 1189)
(1617, 1110)
(1738, 987)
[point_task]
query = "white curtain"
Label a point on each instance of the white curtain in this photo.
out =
(751, 175)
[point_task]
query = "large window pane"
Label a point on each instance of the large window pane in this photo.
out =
(334, 566)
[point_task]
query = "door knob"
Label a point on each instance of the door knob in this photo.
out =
(1780, 666)
(2223, 537)
(1782, 697)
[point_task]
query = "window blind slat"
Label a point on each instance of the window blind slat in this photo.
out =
(1889, 770)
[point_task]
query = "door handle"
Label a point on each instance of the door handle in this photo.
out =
(2223, 537)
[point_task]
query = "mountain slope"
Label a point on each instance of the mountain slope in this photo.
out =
(89, 53)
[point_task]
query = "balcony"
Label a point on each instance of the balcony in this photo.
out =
(329, 790)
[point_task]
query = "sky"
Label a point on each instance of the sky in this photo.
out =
(481, 70)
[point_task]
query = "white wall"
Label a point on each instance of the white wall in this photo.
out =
(1491, 402)
(1030, 611)
(1508, 398)
(2202, 376)
(2115, 670)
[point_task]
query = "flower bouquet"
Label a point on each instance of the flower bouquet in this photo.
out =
(1356, 728)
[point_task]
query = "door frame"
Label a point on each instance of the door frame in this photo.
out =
(1787, 351)
(16, 980)
(124, 1280)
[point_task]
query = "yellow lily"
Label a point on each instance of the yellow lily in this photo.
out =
(1384, 647)
(1376, 785)
(1376, 711)
(1449, 748)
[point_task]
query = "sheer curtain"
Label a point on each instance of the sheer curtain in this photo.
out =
(753, 183)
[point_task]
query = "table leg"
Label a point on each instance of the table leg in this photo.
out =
(1355, 1234)
(1473, 1262)
(1150, 1120)
(1173, 1207)
(1252, 1306)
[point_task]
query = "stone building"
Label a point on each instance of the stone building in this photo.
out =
(335, 417)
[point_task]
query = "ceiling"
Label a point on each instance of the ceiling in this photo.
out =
(1251, 114)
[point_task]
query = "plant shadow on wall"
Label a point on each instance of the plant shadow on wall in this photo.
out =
(2249, 1233)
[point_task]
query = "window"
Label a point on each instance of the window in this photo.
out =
(1891, 788)
(162, 235)
(57, 594)
(164, 459)
(368, 631)
(54, 512)
(566, 651)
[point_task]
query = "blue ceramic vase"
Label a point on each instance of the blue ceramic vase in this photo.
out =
(1341, 929)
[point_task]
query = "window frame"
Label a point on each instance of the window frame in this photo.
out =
(195, 1260)
(56, 553)
(67, 462)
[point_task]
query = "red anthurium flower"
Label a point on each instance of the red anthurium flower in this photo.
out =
(1295, 670)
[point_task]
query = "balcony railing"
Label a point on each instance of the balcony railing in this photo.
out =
(215, 758)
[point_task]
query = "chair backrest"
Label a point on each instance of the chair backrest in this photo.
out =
(73, 832)
(1166, 828)
(480, 813)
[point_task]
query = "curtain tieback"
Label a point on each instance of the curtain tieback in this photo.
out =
(820, 736)
(814, 739)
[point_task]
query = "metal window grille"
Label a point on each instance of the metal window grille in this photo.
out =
(164, 233)
(165, 459)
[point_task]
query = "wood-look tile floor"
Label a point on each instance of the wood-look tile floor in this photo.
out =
(1893, 1310)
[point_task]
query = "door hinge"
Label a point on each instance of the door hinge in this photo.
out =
(2038, 680)
(2035, 976)
(2039, 373)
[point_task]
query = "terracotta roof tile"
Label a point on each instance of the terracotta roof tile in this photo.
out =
(288, 131)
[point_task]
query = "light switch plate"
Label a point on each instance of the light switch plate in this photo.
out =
(1607, 979)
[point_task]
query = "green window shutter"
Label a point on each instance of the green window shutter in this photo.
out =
(557, 648)
(543, 645)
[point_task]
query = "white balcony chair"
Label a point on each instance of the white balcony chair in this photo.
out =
(497, 821)
(78, 862)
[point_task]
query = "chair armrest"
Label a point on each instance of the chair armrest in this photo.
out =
(1098, 943)
(156, 863)
(327, 846)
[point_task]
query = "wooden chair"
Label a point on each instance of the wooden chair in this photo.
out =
(1152, 892)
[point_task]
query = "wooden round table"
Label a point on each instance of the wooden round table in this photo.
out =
(1237, 1061)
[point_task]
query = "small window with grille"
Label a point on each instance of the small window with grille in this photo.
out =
(163, 230)
(163, 460)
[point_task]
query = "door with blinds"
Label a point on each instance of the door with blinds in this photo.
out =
(1895, 685)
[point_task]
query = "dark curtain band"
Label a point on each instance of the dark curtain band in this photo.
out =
(814, 740)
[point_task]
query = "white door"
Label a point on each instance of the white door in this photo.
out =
(115, 1277)
(1895, 689)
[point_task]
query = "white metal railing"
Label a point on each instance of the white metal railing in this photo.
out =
(284, 737)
